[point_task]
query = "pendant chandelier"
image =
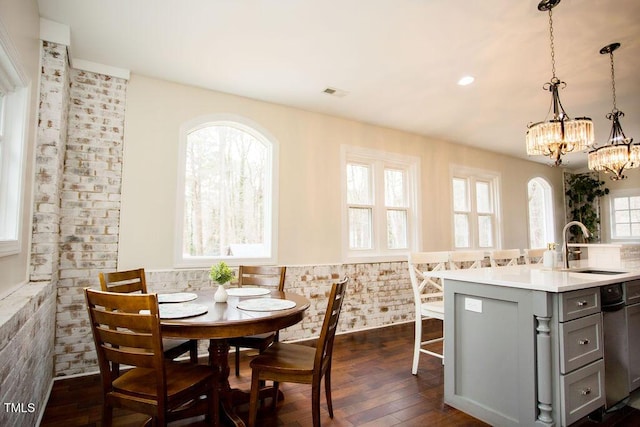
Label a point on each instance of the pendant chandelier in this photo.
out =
(559, 135)
(620, 153)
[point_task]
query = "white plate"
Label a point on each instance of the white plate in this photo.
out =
(177, 297)
(266, 304)
(179, 311)
(247, 292)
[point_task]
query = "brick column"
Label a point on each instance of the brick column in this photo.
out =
(90, 209)
(50, 152)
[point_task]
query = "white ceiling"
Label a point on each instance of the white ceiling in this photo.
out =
(399, 60)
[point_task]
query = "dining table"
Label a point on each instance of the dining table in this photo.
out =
(247, 311)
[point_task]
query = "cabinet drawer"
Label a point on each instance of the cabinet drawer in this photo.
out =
(582, 392)
(632, 291)
(580, 342)
(579, 303)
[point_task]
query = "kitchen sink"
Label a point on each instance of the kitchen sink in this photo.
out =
(593, 271)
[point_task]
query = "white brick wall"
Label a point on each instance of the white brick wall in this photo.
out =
(50, 152)
(26, 352)
(90, 206)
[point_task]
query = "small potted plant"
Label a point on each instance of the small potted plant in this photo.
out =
(222, 274)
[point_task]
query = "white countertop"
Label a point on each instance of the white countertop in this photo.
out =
(536, 278)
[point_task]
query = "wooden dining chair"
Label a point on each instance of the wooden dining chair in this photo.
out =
(504, 257)
(126, 330)
(135, 281)
(428, 297)
(263, 277)
(297, 363)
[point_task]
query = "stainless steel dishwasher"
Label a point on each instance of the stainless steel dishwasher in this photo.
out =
(616, 344)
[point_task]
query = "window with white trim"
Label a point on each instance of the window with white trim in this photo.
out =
(625, 214)
(381, 203)
(227, 193)
(14, 111)
(475, 209)
(541, 223)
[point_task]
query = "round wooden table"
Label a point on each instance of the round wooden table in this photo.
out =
(226, 320)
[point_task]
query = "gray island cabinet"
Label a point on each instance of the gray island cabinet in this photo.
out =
(523, 345)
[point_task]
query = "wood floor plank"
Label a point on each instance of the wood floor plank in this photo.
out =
(371, 381)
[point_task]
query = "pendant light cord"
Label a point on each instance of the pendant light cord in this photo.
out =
(553, 54)
(613, 82)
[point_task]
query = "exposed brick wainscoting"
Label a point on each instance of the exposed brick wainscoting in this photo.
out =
(27, 325)
(378, 294)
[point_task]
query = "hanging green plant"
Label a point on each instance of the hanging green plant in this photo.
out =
(583, 192)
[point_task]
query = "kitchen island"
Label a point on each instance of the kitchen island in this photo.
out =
(524, 345)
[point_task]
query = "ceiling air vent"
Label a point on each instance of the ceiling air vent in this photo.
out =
(335, 92)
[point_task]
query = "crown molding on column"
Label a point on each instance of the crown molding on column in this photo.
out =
(61, 33)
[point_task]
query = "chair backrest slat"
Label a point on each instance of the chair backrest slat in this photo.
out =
(124, 281)
(534, 256)
(504, 257)
(262, 276)
(465, 259)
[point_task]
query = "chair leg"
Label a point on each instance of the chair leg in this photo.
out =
(237, 361)
(327, 389)
(315, 402)
(416, 344)
(253, 399)
(107, 415)
(274, 399)
(193, 351)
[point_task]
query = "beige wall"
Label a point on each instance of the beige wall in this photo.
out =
(309, 169)
(21, 20)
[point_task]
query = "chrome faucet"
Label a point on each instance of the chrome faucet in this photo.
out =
(565, 244)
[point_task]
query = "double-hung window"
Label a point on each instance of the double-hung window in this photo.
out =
(475, 209)
(381, 199)
(227, 193)
(625, 214)
(14, 111)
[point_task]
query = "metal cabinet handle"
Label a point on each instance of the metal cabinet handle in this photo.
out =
(583, 342)
(582, 303)
(585, 391)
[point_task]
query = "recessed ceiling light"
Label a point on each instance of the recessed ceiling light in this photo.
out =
(335, 92)
(465, 81)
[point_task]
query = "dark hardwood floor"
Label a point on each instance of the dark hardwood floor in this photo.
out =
(372, 385)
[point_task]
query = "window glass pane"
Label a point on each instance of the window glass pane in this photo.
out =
(623, 230)
(485, 232)
(634, 202)
(483, 197)
(635, 230)
(461, 230)
(359, 184)
(635, 215)
(622, 216)
(394, 188)
(360, 235)
(225, 177)
(397, 229)
(621, 203)
(460, 195)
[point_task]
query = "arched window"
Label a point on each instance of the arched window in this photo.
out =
(541, 226)
(226, 195)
